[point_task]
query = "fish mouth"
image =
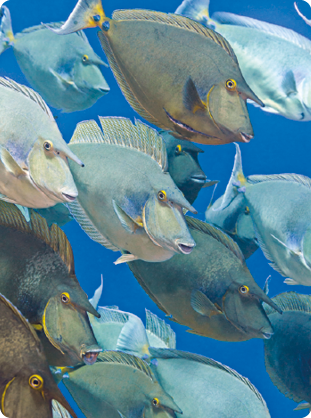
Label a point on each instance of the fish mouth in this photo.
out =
(200, 178)
(184, 126)
(90, 357)
(185, 248)
(245, 137)
(104, 90)
(267, 335)
(68, 197)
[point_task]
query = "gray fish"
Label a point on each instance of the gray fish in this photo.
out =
(198, 384)
(287, 354)
(196, 92)
(66, 73)
(234, 220)
(37, 274)
(127, 199)
(211, 290)
(27, 387)
(184, 166)
(58, 214)
(275, 61)
(34, 169)
(119, 383)
(108, 327)
(279, 206)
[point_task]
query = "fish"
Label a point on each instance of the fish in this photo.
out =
(211, 291)
(34, 170)
(174, 72)
(108, 327)
(184, 166)
(37, 274)
(263, 50)
(66, 74)
(27, 387)
(58, 214)
(236, 222)
(197, 383)
(287, 354)
(279, 205)
(127, 199)
(119, 384)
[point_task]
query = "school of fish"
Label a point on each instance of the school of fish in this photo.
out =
(131, 187)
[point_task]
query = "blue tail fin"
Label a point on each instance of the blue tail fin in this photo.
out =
(6, 33)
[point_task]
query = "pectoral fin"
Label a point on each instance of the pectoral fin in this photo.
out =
(290, 282)
(202, 305)
(192, 100)
(64, 80)
(128, 224)
(10, 164)
(301, 406)
(210, 183)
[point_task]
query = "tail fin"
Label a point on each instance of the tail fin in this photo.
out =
(86, 14)
(195, 9)
(236, 183)
(6, 33)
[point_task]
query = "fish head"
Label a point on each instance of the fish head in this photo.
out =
(49, 170)
(66, 325)
(160, 404)
(226, 106)
(242, 306)
(30, 393)
(86, 74)
(164, 221)
(184, 166)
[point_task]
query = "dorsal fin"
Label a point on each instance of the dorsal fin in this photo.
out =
(296, 178)
(290, 301)
(11, 217)
(21, 317)
(161, 329)
(178, 21)
(28, 92)
(275, 30)
(111, 314)
(217, 234)
(122, 132)
(126, 359)
(53, 25)
(166, 353)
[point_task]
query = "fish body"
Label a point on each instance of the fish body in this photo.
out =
(184, 166)
(67, 73)
(235, 220)
(27, 387)
(287, 354)
(37, 275)
(199, 384)
(119, 383)
(211, 291)
(174, 72)
(128, 200)
(58, 214)
(275, 61)
(279, 206)
(33, 155)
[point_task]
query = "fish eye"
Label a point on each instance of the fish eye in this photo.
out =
(162, 196)
(36, 382)
(48, 145)
(155, 402)
(231, 85)
(85, 58)
(65, 298)
(244, 289)
(178, 149)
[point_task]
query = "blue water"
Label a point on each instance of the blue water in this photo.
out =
(279, 146)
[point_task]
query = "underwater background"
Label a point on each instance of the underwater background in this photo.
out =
(279, 146)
